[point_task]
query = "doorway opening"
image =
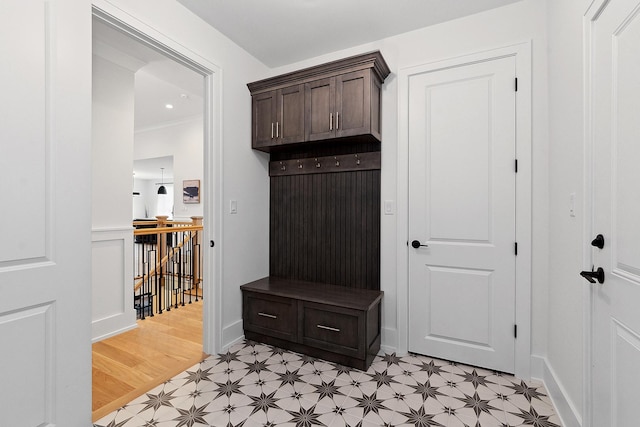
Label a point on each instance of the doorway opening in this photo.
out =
(153, 104)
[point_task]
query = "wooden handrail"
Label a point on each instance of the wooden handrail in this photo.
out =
(156, 222)
(164, 230)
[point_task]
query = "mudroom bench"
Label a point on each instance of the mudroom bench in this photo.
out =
(330, 322)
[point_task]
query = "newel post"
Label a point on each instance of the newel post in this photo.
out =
(162, 245)
(196, 253)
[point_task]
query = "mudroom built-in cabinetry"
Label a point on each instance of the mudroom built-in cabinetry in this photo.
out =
(321, 126)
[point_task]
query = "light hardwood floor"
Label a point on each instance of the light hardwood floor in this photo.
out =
(132, 363)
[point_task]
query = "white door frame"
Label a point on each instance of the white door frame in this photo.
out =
(522, 54)
(212, 120)
(592, 14)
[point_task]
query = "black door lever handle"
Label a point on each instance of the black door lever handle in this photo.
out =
(416, 244)
(592, 276)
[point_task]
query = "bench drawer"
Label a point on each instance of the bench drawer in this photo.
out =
(270, 315)
(333, 328)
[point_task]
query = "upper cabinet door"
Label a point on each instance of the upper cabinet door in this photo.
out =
(320, 109)
(263, 119)
(290, 117)
(353, 104)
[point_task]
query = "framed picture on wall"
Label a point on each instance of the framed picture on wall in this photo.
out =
(191, 191)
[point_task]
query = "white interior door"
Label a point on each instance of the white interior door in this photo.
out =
(615, 89)
(462, 205)
(45, 281)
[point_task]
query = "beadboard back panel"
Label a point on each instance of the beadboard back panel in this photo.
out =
(326, 228)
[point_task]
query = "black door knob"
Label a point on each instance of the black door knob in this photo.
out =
(598, 242)
(416, 244)
(592, 276)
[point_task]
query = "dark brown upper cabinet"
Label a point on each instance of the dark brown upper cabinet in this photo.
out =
(339, 99)
(278, 117)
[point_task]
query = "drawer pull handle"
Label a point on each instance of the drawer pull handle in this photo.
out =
(328, 328)
(270, 316)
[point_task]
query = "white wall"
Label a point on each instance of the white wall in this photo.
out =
(566, 154)
(516, 23)
(183, 141)
(111, 201)
(145, 205)
(244, 241)
(112, 144)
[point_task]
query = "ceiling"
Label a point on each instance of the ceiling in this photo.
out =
(280, 32)
(159, 80)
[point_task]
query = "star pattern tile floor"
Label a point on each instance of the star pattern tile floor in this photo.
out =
(256, 385)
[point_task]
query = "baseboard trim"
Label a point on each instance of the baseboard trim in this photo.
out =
(113, 333)
(232, 334)
(389, 342)
(238, 340)
(566, 409)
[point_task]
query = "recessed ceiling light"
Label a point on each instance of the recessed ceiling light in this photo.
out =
(168, 106)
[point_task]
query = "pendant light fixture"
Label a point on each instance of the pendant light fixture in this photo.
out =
(162, 189)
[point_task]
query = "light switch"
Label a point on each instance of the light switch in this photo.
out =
(572, 205)
(233, 207)
(389, 207)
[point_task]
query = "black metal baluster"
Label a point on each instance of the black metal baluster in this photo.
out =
(189, 267)
(197, 273)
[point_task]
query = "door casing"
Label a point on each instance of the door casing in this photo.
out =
(522, 54)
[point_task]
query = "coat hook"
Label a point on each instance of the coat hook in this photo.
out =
(337, 161)
(357, 160)
(299, 165)
(317, 163)
(283, 167)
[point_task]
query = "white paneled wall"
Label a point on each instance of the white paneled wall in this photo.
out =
(112, 203)
(112, 279)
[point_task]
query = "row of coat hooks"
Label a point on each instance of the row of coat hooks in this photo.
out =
(326, 164)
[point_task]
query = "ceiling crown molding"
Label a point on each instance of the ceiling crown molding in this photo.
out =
(373, 60)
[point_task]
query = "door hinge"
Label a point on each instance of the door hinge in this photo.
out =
(515, 247)
(515, 331)
(516, 165)
(516, 84)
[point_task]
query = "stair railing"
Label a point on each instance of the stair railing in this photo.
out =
(168, 264)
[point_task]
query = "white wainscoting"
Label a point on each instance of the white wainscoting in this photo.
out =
(112, 282)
